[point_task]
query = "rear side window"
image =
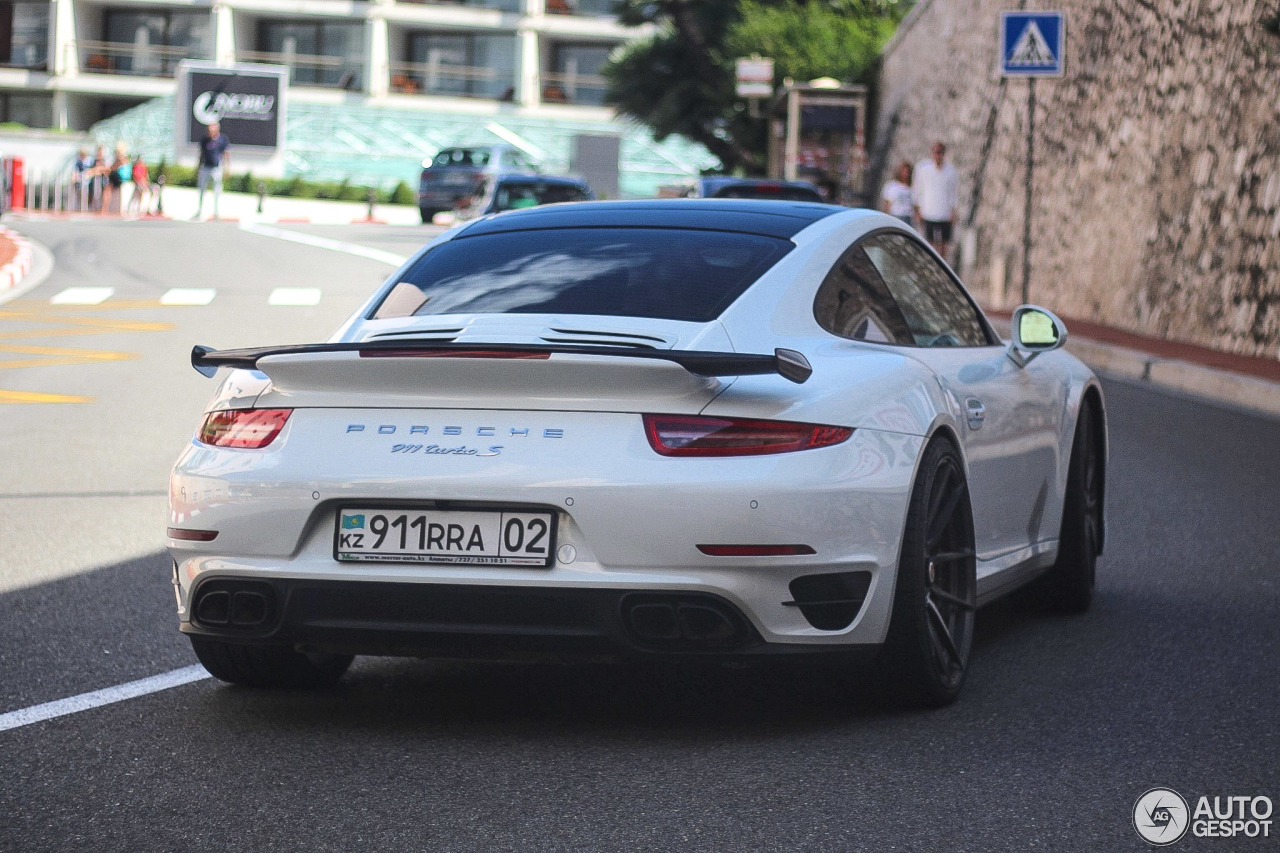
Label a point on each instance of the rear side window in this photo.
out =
(854, 302)
(936, 311)
(631, 272)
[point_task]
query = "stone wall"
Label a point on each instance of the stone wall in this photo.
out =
(1157, 171)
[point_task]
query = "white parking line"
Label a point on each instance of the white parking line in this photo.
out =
(98, 698)
(83, 296)
(294, 296)
(188, 296)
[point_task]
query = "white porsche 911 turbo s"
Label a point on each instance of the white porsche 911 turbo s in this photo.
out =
(705, 428)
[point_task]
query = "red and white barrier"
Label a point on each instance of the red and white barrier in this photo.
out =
(12, 273)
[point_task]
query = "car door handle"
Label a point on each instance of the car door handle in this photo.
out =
(976, 412)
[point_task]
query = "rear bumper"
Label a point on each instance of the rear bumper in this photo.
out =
(488, 622)
(627, 520)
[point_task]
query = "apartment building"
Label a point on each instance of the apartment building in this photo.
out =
(68, 64)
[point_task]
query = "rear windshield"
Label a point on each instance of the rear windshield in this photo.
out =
(768, 191)
(461, 157)
(514, 195)
(630, 272)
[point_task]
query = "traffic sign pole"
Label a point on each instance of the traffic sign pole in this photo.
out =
(1031, 45)
(1026, 219)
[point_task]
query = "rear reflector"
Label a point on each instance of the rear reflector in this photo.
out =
(755, 550)
(685, 435)
(245, 428)
(449, 353)
(192, 535)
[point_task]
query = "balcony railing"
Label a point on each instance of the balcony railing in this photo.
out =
(139, 60)
(582, 89)
(594, 8)
(331, 72)
(500, 5)
(457, 81)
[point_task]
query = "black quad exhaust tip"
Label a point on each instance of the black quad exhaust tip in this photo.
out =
(830, 602)
(247, 605)
(683, 621)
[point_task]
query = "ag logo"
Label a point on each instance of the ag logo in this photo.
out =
(1160, 816)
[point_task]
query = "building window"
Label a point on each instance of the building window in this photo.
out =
(326, 53)
(148, 43)
(575, 77)
(24, 34)
(464, 65)
(24, 109)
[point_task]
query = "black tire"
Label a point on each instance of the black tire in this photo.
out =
(427, 213)
(1068, 586)
(268, 666)
(931, 629)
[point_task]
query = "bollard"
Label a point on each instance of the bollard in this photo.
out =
(160, 195)
(372, 197)
(262, 194)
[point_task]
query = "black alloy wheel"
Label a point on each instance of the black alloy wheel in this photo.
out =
(931, 629)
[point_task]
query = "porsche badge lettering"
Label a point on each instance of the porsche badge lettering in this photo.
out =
(411, 448)
(460, 450)
(418, 429)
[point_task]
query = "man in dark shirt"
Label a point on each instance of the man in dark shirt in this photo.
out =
(213, 156)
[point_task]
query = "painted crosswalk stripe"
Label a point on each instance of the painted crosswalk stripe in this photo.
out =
(294, 296)
(98, 698)
(188, 296)
(83, 296)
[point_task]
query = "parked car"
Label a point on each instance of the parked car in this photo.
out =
(761, 188)
(453, 173)
(496, 193)
(715, 429)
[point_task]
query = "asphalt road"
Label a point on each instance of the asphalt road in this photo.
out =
(1170, 680)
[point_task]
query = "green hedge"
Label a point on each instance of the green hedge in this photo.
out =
(295, 187)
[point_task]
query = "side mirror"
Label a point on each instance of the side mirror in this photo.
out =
(1035, 330)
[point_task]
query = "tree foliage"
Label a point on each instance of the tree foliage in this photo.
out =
(681, 80)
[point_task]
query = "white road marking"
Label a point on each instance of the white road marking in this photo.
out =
(188, 296)
(294, 296)
(324, 243)
(83, 296)
(98, 698)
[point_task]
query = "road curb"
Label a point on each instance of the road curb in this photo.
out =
(12, 273)
(1223, 386)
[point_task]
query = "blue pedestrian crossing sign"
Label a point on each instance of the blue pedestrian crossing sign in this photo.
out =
(1031, 44)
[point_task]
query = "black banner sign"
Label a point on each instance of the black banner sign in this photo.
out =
(247, 106)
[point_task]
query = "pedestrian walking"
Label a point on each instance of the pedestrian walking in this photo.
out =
(81, 180)
(117, 173)
(213, 158)
(97, 177)
(936, 187)
(138, 202)
(897, 199)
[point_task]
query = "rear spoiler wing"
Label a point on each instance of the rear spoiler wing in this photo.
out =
(789, 364)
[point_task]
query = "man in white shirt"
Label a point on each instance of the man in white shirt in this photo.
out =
(936, 186)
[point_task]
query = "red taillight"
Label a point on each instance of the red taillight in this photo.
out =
(248, 428)
(687, 435)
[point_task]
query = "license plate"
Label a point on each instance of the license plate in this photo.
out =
(473, 537)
